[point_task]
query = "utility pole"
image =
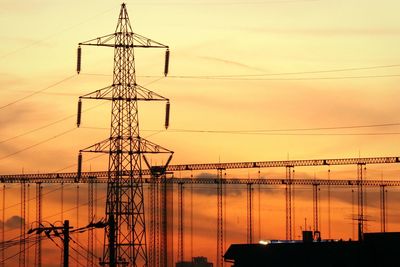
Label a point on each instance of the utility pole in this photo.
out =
(125, 235)
(65, 232)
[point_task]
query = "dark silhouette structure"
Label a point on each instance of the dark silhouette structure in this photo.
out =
(196, 262)
(125, 236)
(375, 250)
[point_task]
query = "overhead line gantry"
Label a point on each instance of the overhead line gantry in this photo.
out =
(288, 182)
(209, 166)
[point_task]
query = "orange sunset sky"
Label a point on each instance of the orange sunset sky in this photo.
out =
(249, 81)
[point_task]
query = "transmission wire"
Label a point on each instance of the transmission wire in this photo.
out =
(37, 92)
(39, 143)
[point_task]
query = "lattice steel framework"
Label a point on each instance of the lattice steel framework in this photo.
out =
(289, 198)
(361, 199)
(383, 200)
(22, 246)
(250, 233)
(125, 236)
(181, 222)
(316, 207)
(220, 222)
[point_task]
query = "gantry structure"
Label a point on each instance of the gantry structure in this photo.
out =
(158, 236)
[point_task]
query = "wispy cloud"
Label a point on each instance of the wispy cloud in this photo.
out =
(231, 62)
(13, 222)
(323, 32)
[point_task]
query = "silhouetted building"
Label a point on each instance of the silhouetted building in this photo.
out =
(376, 249)
(196, 262)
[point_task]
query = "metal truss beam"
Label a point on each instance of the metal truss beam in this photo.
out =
(234, 181)
(210, 166)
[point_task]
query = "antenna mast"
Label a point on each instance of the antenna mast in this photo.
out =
(125, 236)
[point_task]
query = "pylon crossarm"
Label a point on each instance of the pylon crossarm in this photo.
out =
(148, 147)
(146, 42)
(148, 95)
(106, 40)
(143, 94)
(103, 93)
(100, 147)
(138, 41)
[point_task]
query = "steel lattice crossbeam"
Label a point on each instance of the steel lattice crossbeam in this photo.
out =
(84, 176)
(231, 181)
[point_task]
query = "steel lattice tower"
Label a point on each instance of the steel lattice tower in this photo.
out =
(125, 236)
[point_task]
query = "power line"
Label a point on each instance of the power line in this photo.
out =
(16, 254)
(39, 143)
(305, 129)
(60, 120)
(321, 134)
(52, 35)
(50, 124)
(283, 79)
(305, 72)
(37, 129)
(265, 74)
(75, 164)
(33, 198)
(283, 132)
(37, 92)
(289, 134)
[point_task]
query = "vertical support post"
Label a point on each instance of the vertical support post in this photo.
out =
(354, 218)
(360, 193)
(288, 191)
(157, 222)
(383, 207)
(95, 216)
(329, 203)
(152, 223)
(66, 243)
(62, 214)
(77, 256)
(3, 239)
(249, 213)
(167, 225)
(180, 223)
(293, 206)
(315, 206)
(38, 247)
(191, 219)
(22, 244)
(224, 215)
(259, 207)
(91, 218)
(220, 230)
(28, 221)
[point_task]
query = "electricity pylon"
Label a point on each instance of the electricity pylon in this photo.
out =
(125, 236)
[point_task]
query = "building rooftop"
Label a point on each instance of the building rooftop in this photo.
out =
(376, 249)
